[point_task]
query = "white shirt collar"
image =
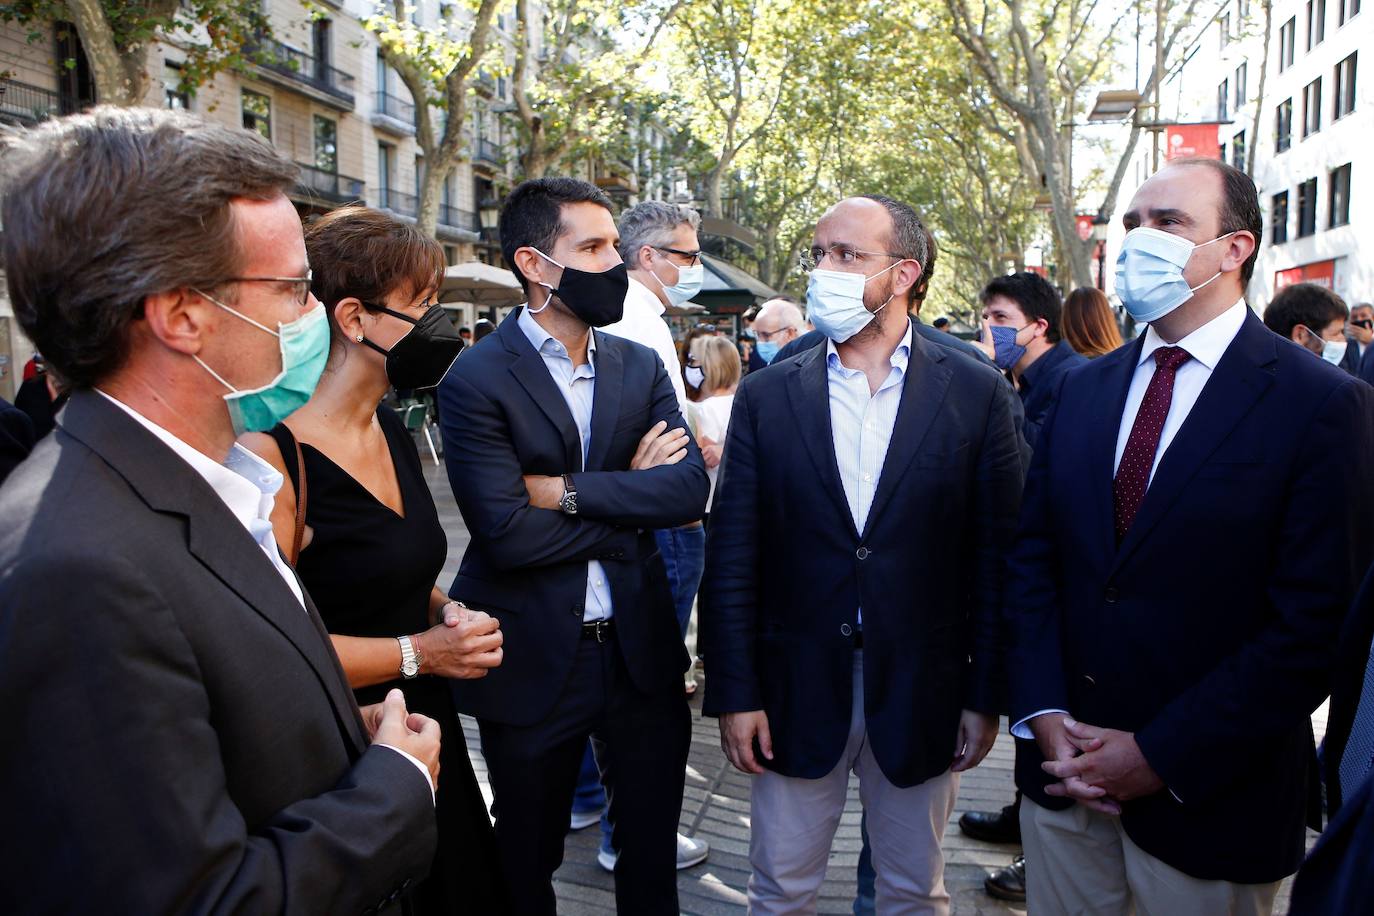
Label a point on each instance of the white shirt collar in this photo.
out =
(900, 356)
(641, 295)
(539, 338)
(1207, 343)
(247, 484)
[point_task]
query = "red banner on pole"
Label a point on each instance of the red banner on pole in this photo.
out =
(1189, 140)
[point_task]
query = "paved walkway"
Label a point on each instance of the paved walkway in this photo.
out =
(716, 808)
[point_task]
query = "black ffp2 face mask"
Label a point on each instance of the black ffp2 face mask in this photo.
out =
(596, 298)
(423, 356)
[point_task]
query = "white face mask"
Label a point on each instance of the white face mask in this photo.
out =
(1333, 351)
(835, 302)
(1149, 272)
(694, 376)
(689, 281)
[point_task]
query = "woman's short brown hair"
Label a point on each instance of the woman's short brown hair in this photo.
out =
(367, 254)
(720, 364)
(1088, 323)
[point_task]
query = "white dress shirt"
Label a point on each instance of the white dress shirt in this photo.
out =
(1206, 346)
(861, 424)
(578, 387)
(643, 323)
(248, 485)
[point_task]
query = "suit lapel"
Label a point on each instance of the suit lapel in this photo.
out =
(923, 392)
(529, 370)
(1241, 376)
(214, 536)
(810, 396)
(610, 378)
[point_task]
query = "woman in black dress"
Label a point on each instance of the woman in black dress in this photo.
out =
(372, 547)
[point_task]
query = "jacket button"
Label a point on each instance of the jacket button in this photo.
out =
(1110, 595)
(577, 609)
(846, 629)
(862, 553)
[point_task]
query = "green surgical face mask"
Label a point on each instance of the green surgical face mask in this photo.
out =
(304, 347)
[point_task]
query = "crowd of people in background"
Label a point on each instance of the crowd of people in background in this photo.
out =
(234, 677)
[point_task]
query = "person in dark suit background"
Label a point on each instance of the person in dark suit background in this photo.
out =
(1359, 335)
(878, 447)
(182, 738)
(16, 437)
(565, 449)
(1180, 578)
(1313, 317)
(1337, 878)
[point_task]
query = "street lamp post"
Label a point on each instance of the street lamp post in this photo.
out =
(1099, 236)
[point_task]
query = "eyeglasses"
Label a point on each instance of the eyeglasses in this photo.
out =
(767, 336)
(300, 286)
(692, 256)
(839, 254)
(693, 361)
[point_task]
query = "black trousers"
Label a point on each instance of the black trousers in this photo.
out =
(641, 744)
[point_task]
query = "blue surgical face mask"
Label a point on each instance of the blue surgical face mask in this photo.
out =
(689, 280)
(835, 302)
(767, 350)
(304, 345)
(1149, 272)
(1007, 351)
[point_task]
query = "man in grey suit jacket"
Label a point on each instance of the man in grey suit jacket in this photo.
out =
(181, 736)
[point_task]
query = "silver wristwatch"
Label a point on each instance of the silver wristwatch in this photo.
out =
(568, 502)
(410, 657)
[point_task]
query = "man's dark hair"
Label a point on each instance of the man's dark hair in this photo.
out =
(533, 215)
(940, 322)
(1240, 207)
(918, 295)
(1033, 294)
(104, 209)
(910, 239)
(1307, 304)
(465, 330)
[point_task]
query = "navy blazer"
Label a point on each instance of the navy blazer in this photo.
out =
(786, 570)
(503, 417)
(1211, 631)
(1040, 385)
(1338, 877)
(1350, 362)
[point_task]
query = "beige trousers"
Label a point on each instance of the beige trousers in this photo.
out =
(793, 824)
(1082, 862)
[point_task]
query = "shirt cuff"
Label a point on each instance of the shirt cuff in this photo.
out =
(418, 765)
(1022, 729)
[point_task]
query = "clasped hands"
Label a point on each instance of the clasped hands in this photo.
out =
(1097, 767)
(659, 446)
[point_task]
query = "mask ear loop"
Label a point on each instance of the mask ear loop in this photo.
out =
(546, 286)
(1194, 289)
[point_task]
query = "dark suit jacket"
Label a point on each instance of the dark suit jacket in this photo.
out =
(503, 417)
(786, 571)
(1040, 385)
(1347, 682)
(181, 736)
(1367, 365)
(16, 437)
(1210, 632)
(950, 342)
(1338, 877)
(1351, 361)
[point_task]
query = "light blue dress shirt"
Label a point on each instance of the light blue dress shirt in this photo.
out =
(578, 387)
(862, 425)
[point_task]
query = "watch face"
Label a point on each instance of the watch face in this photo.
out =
(410, 669)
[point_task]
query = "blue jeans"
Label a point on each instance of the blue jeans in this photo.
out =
(864, 901)
(684, 557)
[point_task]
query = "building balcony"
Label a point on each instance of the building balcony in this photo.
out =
(485, 83)
(329, 186)
(451, 216)
(397, 202)
(393, 114)
(486, 153)
(291, 67)
(24, 104)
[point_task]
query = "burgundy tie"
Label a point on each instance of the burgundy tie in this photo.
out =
(1133, 475)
